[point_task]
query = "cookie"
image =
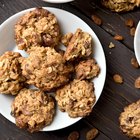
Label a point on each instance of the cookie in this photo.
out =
(11, 79)
(130, 120)
(87, 69)
(45, 68)
(79, 45)
(121, 5)
(76, 98)
(37, 28)
(33, 109)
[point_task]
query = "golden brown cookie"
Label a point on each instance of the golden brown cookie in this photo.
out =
(130, 120)
(80, 45)
(37, 28)
(87, 69)
(45, 68)
(121, 5)
(76, 98)
(33, 109)
(11, 79)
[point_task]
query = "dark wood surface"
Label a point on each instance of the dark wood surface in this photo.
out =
(114, 97)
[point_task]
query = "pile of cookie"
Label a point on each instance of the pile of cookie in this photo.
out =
(67, 73)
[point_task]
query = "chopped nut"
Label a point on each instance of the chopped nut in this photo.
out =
(73, 135)
(132, 31)
(111, 45)
(118, 78)
(91, 134)
(118, 37)
(96, 19)
(134, 63)
(137, 82)
(129, 23)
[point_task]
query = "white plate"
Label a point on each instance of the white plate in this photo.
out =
(137, 43)
(68, 23)
(58, 1)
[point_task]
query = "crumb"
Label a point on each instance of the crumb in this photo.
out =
(134, 63)
(118, 78)
(111, 45)
(97, 20)
(91, 134)
(118, 37)
(73, 135)
(137, 82)
(129, 23)
(132, 31)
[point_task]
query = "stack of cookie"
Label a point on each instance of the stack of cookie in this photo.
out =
(68, 73)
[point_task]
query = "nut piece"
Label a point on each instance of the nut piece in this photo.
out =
(132, 31)
(45, 68)
(37, 28)
(80, 45)
(118, 78)
(11, 79)
(96, 19)
(73, 135)
(76, 98)
(130, 120)
(33, 109)
(129, 23)
(137, 82)
(134, 63)
(118, 37)
(87, 69)
(111, 45)
(91, 134)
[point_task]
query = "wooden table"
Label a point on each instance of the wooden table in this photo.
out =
(114, 96)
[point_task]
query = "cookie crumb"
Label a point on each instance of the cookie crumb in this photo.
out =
(118, 78)
(91, 134)
(137, 82)
(129, 23)
(134, 63)
(97, 20)
(118, 37)
(132, 31)
(73, 135)
(111, 45)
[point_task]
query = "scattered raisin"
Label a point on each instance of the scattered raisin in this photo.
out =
(73, 135)
(96, 19)
(118, 78)
(137, 82)
(111, 45)
(132, 31)
(134, 63)
(118, 37)
(129, 23)
(91, 134)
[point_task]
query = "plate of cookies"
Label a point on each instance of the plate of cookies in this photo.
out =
(52, 69)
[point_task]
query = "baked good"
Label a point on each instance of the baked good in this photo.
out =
(130, 120)
(38, 27)
(80, 45)
(33, 109)
(76, 98)
(87, 69)
(45, 68)
(11, 79)
(121, 5)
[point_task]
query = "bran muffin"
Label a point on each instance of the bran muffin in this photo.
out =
(76, 98)
(11, 79)
(130, 120)
(45, 68)
(33, 109)
(79, 45)
(37, 28)
(87, 69)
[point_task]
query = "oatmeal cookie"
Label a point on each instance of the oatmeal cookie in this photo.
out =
(33, 109)
(121, 5)
(80, 45)
(76, 98)
(45, 68)
(11, 79)
(130, 120)
(87, 69)
(37, 27)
